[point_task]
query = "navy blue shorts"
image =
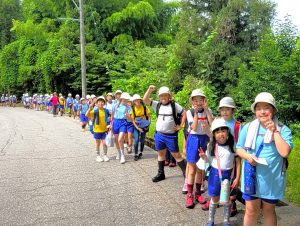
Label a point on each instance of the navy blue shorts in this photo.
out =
(193, 144)
(214, 185)
(61, 106)
(100, 136)
(166, 141)
(83, 118)
(250, 198)
(130, 127)
(119, 126)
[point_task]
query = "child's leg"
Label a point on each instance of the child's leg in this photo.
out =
(98, 147)
(142, 141)
(199, 181)
(136, 141)
(180, 161)
(212, 209)
(130, 137)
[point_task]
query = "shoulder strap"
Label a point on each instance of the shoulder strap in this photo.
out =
(174, 113)
(237, 126)
(192, 111)
(157, 108)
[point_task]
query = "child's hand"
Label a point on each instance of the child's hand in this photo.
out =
(235, 183)
(177, 128)
(91, 106)
(152, 88)
(205, 104)
(202, 154)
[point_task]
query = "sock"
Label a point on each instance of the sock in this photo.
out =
(182, 165)
(212, 211)
(190, 188)
(227, 209)
(161, 166)
(198, 189)
(122, 152)
(105, 149)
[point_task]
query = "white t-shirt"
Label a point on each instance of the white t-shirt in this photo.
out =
(165, 121)
(226, 158)
(201, 117)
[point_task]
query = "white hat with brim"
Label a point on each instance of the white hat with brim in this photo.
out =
(197, 93)
(136, 97)
(109, 94)
(93, 96)
(264, 97)
(227, 102)
(101, 98)
(81, 99)
(164, 90)
(125, 96)
(218, 123)
(88, 96)
(118, 91)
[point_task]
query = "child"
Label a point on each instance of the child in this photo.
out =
(129, 131)
(118, 94)
(119, 126)
(54, 103)
(70, 102)
(139, 113)
(83, 107)
(99, 116)
(226, 110)
(198, 118)
(169, 122)
(221, 154)
(62, 103)
(109, 102)
(76, 103)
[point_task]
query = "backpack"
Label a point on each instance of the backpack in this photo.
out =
(145, 111)
(177, 117)
(237, 126)
(96, 116)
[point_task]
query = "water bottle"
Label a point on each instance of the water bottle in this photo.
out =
(225, 191)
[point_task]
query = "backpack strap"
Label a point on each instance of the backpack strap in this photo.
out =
(237, 126)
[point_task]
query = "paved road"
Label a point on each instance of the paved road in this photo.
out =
(49, 176)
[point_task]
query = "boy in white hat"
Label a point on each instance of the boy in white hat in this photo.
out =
(169, 122)
(100, 117)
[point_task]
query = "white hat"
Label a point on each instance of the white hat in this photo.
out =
(69, 95)
(77, 95)
(197, 92)
(264, 97)
(136, 97)
(118, 91)
(218, 123)
(81, 99)
(88, 96)
(101, 98)
(125, 96)
(109, 94)
(164, 90)
(93, 96)
(227, 102)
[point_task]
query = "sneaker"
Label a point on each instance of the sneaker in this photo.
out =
(118, 155)
(172, 164)
(136, 158)
(129, 150)
(140, 155)
(205, 207)
(184, 188)
(105, 158)
(99, 159)
(200, 199)
(167, 163)
(122, 160)
(233, 210)
(189, 201)
(159, 177)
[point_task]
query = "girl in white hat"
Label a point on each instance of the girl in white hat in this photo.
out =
(271, 141)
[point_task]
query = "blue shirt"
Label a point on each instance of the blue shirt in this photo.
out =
(270, 179)
(84, 108)
(120, 111)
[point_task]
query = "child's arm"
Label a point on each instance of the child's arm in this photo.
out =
(146, 98)
(238, 165)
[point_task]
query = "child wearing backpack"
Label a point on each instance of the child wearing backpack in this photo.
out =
(121, 112)
(226, 110)
(76, 104)
(100, 117)
(140, 115)
(169, 122)
(62, 104)
(221, 155)
(83, 108)
(70, 102)
(199, 117)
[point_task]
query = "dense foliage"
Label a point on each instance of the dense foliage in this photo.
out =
(225, 47)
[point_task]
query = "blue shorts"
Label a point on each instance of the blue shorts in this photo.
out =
(214, 185)
(250, 198)
(69, 106)
(130, 127)
(166, 141)
(100, 136)
(119, 126)
(193, 143)
(83, 118)
(61, 106)
(75, 108)
(34, 102)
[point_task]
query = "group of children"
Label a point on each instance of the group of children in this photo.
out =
(209, 143)
(8, 100)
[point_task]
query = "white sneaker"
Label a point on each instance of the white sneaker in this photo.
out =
(118, 155)
(106, 159)
(122, 161)
(99, 159)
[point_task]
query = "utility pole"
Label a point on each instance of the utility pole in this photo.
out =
(82, 52)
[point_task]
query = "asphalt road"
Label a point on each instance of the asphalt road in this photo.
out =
(49, 176)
